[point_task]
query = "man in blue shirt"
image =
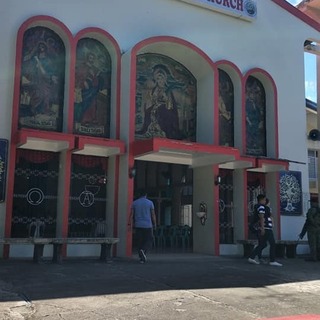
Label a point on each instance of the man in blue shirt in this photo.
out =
(144, 219)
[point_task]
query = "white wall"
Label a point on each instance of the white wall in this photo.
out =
(274, 42)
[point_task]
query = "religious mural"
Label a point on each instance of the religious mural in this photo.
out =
(255, 118)
(92, 89)
(290, 192)
(166, 99)
(42, 80)
(226, 110)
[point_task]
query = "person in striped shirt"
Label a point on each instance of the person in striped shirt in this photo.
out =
(265, 233)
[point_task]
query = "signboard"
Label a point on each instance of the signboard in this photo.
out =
(242, 9)
(3, 167)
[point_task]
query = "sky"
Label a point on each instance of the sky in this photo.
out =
(294, 2)
(310, 70)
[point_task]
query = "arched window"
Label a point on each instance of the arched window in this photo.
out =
(92, 89)
(255, 118)
(166, 99)
(226, 110)
(42, 80)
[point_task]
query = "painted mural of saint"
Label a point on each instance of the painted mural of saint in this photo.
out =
(42, 80)
(39, 74)
(87, 82)
(255, 118)
(226, 105)
(92, 89)
(165, 107)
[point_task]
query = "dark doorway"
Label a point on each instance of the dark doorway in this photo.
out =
(255, 186)
(169, 186)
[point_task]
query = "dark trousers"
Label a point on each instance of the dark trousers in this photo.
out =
(259, 242)
(144, 238)
(268, 237)
(314, 243)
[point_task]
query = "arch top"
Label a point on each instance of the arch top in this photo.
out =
(101, 35)
(45, 21)
(258, 73)
(185, 52)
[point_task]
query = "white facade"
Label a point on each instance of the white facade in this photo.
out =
(272, 42)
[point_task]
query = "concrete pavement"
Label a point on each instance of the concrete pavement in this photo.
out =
(168, 286)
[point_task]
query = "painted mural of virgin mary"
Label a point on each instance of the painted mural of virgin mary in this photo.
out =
(165, 106)
(160, 110)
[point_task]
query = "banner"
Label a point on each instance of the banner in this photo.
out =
(242, 9)
(3, 167)
(290, 193)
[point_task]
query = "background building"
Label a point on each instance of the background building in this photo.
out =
(312, 9)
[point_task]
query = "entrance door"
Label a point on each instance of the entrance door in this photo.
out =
(169, 186)
(255, 186)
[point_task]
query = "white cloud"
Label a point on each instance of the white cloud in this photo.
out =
(311, 90)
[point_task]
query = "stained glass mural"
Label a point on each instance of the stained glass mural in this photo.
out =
(226, 110)
(92, 89)
(166, 99)
(42, 80)
(255, 118)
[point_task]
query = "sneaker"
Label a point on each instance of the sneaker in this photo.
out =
(143, 256)
(253, 261)
(275, 264)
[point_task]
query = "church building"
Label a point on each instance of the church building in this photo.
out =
(199, 102)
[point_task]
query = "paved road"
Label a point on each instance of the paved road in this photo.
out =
(175, 286)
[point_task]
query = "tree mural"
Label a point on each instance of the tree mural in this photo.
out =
(290, 192)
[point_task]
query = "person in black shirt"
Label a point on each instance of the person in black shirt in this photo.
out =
(266, 233)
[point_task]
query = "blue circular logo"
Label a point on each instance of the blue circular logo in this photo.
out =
(251, 8)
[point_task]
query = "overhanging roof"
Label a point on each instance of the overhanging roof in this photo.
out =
(241, 163)
(270, 165)
(98, 146)
(182, 152)
(44, 141)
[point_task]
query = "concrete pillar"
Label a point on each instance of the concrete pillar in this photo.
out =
(203, 191)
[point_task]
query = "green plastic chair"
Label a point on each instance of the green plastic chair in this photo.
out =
(160, 237)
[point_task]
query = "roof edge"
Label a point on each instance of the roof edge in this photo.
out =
(297, 13)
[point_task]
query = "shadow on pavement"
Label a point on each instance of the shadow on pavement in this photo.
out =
(86, 277)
